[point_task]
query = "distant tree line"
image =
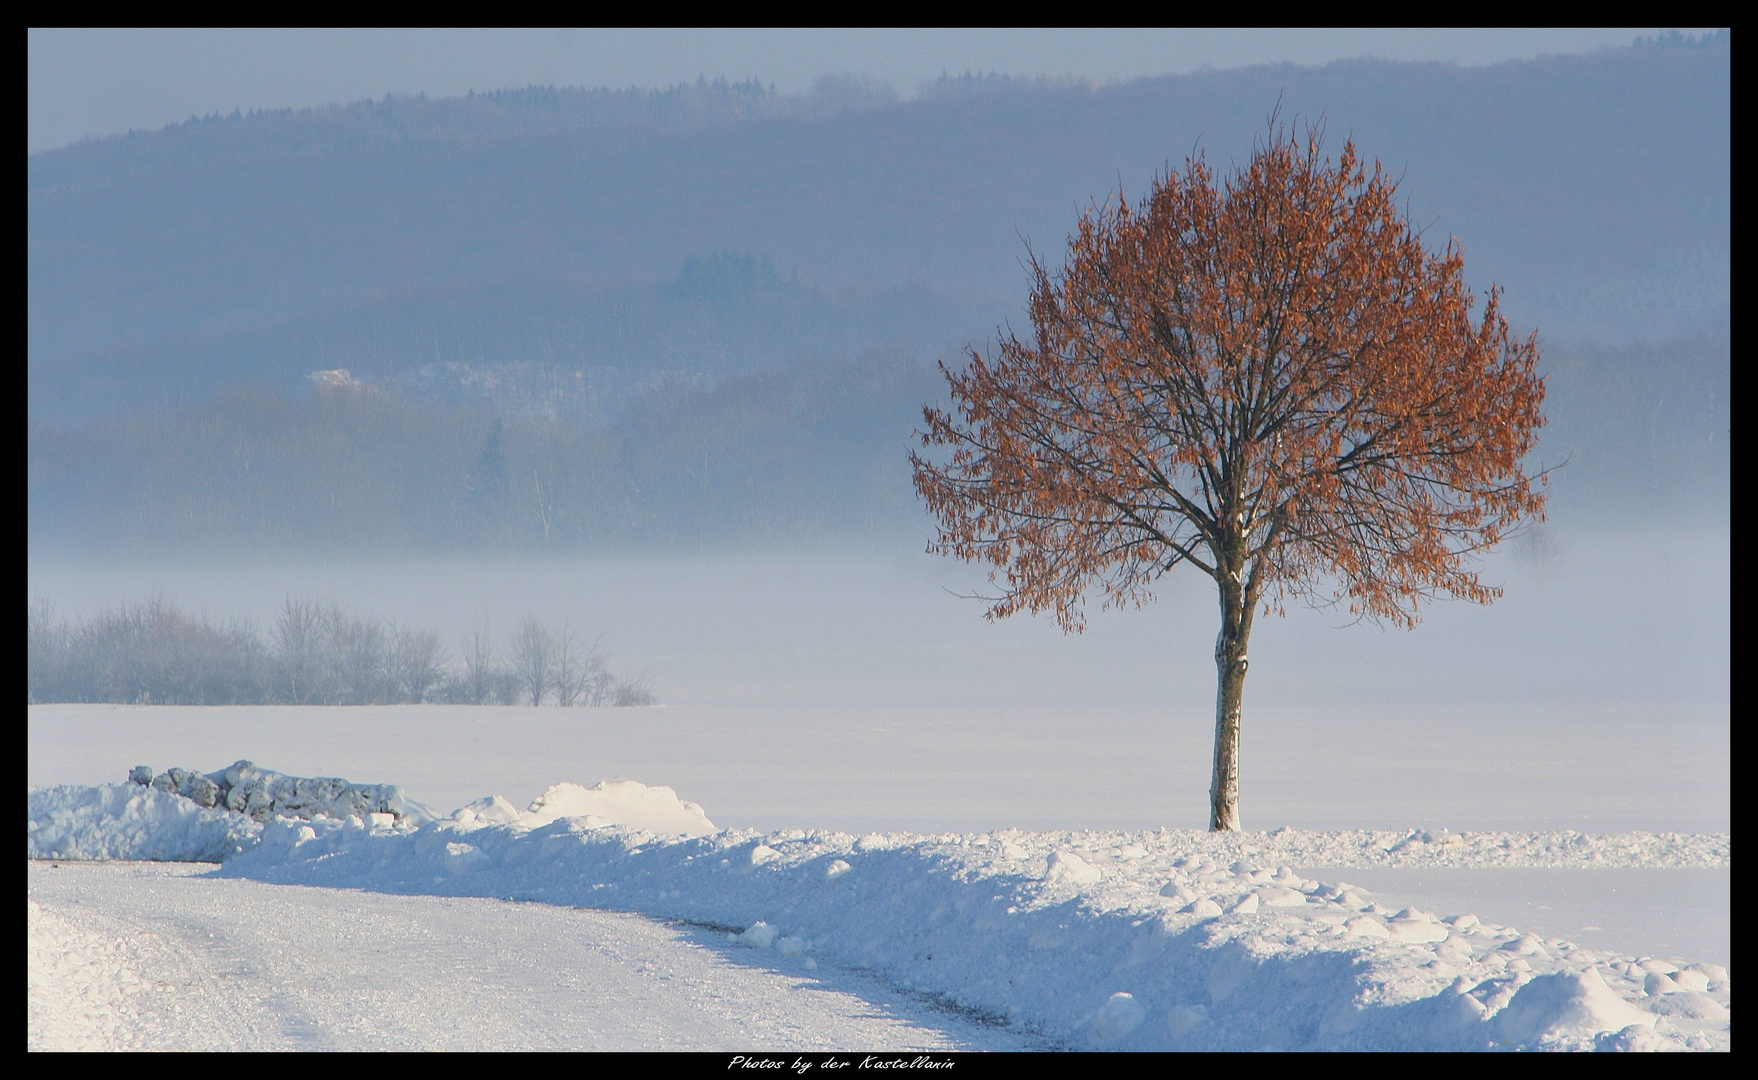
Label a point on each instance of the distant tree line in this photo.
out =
(405, 119)
(763, 457)
(155, 653)
(548, 347)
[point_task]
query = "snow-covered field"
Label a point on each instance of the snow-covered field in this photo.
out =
(1510, 829)
(859, 768)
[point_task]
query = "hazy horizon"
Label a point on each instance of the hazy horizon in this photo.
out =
(1586, 617)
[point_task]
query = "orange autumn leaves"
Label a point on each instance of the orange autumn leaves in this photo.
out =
(1268, 377)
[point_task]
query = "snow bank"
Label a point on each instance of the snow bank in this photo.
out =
(1102, 940)
(1567, 1003)
(1168, 940)
(184, 816)
(132, 821)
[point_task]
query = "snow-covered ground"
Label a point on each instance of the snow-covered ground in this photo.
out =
(1163, 939)
(1587, 769)
(163, 956)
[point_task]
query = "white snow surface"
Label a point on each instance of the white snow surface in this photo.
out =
(164, 956)
(132, 821)
(169, 818)
(1143, 940)
(608, 802)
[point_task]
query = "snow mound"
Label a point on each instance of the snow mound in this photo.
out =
(1069, 867)
(131, 821)
(1119, 1016)
(621, 802)
(493, 810)
(626, 803)
(1566, 1003)
(1690, 1005)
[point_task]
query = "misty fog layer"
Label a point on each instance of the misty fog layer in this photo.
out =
(805, 455)
(1641, 616)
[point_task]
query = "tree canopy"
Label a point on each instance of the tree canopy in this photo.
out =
(1266, 376)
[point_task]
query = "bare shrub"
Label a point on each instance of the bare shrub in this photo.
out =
(360, 659)
(45, 652)
(415, 663)
(481, 670)
(534, 660)
(624, 693)
(155, 653)
(324, 655)
(302, 666)
(582, 675)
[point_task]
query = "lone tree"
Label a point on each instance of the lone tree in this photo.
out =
(1268, 378)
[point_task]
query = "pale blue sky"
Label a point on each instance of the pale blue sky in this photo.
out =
(105, 81)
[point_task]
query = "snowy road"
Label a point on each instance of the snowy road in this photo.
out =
(154, 956)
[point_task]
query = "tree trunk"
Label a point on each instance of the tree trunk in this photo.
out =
(1230, 665)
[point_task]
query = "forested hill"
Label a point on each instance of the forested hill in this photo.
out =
(555, 226)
